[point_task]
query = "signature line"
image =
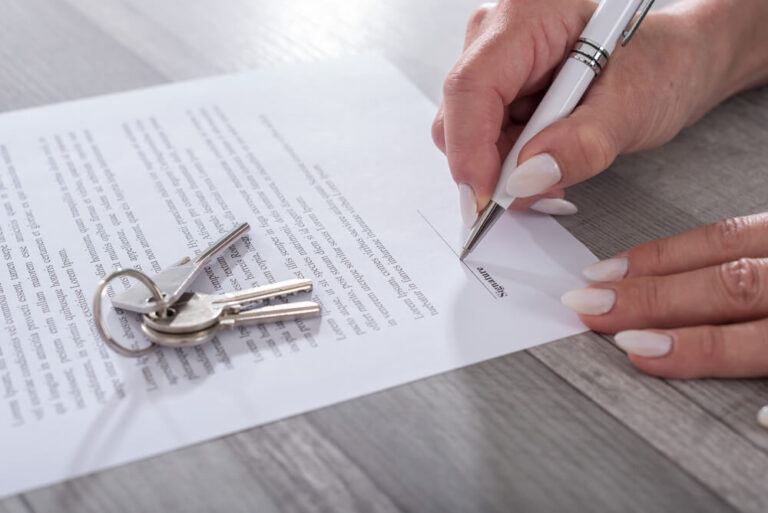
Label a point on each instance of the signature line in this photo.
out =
(483, 282)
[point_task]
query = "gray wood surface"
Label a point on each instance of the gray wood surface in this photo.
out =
(568, 426)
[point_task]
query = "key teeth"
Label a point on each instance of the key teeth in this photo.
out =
(295, 292)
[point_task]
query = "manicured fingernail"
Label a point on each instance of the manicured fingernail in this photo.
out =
(650, 344)
(468, 205)
(762, 416)
(612, 269)
(589, 301)
(555, 207)
(534, 176)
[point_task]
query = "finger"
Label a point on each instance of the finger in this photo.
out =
(573, 149)
(555, 207)
(507, 138)
(485, 80)
(508, 132)
(714, 244)
(553, 202)
(475, 26)
(731, 292)
(478, 22)
(477, 90)
(473, 118)
(730, 351)
(526, 203)
(468, 202)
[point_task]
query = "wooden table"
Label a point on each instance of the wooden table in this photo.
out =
(568, 426)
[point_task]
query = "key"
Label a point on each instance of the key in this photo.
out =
(197, 311)
(270, 313)
(174, 280)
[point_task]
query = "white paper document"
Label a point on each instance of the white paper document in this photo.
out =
(333, 166)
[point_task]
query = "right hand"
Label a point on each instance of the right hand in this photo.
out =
(662, 81)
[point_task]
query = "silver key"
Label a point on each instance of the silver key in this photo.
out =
(270, 313)
(197, 311)
(174, 280)
(197, 318)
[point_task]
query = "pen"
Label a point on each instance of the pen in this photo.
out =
(611, 20)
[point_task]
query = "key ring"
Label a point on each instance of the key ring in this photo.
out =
(98, 297)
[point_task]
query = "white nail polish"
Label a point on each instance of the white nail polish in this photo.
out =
(468, 205)
(589, 301)
(650, 344)
(534, 176)
(762, 416)
(612, 269)
(555, 207)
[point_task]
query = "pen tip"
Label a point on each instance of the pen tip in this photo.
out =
(464, 253)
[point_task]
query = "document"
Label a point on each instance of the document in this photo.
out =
(333, 167)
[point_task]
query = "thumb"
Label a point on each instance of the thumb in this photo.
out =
(570, 151)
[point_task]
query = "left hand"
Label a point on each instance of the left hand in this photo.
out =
(690, 306)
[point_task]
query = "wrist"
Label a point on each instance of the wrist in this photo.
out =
(732, 36)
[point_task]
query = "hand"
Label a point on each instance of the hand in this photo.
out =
(696, 303)
(665, 79)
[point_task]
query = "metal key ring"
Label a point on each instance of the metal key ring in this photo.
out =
(98, 297)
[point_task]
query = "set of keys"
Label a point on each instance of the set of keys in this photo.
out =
(174, 317)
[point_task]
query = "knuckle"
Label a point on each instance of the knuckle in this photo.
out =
(597, 146)
(478, 17)
(438, 133)
(437, 125)
(740, 281)
(458, 82)
(711, 344)
(651, 298)
(659, 253)
(760, 333)
(727, 234)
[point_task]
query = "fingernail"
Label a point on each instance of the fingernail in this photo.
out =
(589, 301)
(468, 205)
(555, 207)
(762, 416)
(650, 344)
(534, 176)
(612, 269)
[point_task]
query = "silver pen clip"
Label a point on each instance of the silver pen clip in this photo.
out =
(641, 12)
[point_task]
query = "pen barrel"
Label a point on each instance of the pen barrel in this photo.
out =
(610, 19)
(559, 101)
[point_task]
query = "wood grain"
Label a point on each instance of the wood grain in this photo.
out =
(507, 432)
(567, 426)
(50, 53)
(286, 466)
(686, 430)
(14, 505)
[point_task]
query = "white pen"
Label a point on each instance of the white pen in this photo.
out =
(610, 21)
